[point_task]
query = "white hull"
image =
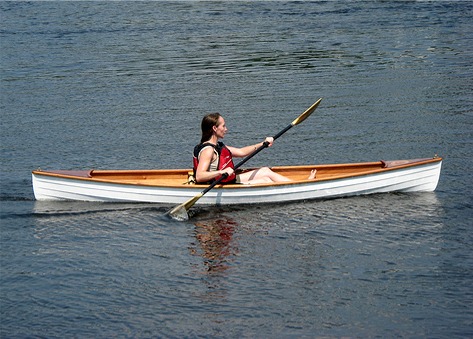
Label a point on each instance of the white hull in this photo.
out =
(419, 178)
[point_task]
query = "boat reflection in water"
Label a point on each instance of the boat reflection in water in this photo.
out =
(214, 243)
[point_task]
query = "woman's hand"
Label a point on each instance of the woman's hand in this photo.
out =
(227, 170)
(269, 140)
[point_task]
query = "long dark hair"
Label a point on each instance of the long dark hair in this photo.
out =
(208, 122)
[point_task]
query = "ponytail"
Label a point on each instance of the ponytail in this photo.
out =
(208, 122)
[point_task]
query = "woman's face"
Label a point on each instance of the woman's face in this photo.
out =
(220, 129)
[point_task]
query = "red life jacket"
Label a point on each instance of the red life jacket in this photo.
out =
(224, 160)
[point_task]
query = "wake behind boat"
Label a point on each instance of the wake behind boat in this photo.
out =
(168, 186)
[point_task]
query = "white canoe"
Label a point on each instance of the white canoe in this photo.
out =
(171, 187)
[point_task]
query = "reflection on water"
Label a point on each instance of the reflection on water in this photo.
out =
(214, 243)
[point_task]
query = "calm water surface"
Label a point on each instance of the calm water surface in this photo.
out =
(125, 84)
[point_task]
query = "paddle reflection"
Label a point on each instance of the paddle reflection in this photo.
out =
(216, 245)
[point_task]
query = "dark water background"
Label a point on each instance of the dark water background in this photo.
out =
(124, 85)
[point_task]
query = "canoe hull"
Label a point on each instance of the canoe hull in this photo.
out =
(417, 177)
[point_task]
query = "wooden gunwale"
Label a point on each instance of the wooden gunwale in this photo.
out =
(169, 177)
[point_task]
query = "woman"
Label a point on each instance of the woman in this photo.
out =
(212, 158)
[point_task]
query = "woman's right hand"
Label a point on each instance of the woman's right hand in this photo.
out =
(227, 170)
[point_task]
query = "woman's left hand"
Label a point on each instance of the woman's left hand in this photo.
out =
(269, 140)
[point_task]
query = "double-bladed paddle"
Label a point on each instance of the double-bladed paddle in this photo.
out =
(180, 212)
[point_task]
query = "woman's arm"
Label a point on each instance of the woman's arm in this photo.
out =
(247, 150)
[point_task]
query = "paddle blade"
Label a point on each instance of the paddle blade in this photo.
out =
(180, 212)
(306, 114)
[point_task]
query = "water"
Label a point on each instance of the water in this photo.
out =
(124, 85)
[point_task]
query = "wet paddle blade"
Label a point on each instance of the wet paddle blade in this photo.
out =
(180, 212)
(306, 114)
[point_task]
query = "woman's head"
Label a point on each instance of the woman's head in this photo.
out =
(209, 125)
